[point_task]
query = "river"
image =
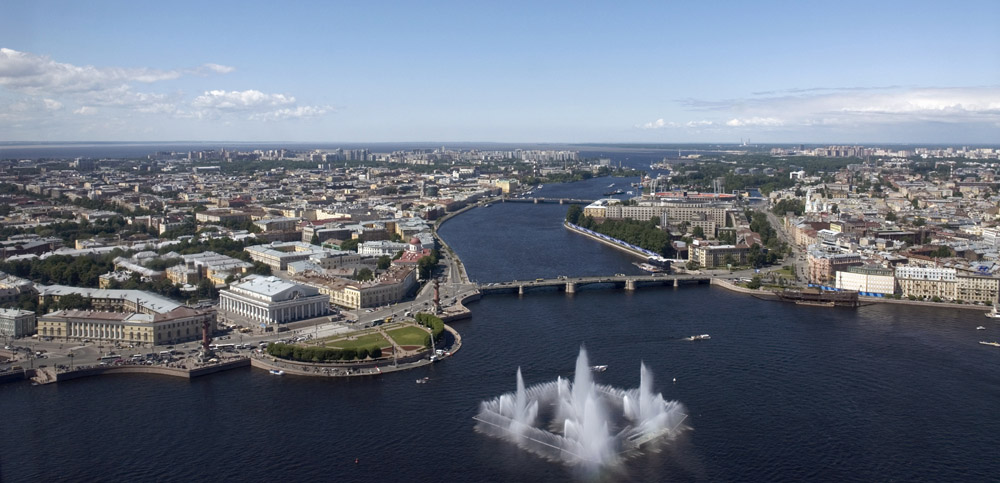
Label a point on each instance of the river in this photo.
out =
(780, 392)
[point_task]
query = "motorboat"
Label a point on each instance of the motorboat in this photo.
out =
(993, 314)
(994, 344)
(699, 337)
(601, 368)
(423, 380)
(277, 372)
(980, 328)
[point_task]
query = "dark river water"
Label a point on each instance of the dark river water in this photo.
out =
(779, 393)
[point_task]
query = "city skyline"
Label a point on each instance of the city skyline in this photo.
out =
(914, 72)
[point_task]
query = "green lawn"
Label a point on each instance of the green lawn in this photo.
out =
(408, 335)
(367, 340)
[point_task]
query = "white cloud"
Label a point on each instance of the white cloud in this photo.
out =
(235, 100)
(85, 111)
(216, 68)
(293, 113)
(847, 108)
(755, 121)
(52, 105)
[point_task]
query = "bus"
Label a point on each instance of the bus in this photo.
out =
(110, 357)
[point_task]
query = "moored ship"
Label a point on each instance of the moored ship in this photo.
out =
(822, 298)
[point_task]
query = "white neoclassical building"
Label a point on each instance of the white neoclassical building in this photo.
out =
(260, 300)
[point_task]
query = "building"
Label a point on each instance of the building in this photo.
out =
(110, 300)
(823, 266)
(178, 325)
(11, 287)
(380, 248)
(876, 281)
(927, 282)
(976, 288)
(265, 301)
(207, 265)
(391, 287)
(278, 255)
(16, 323)
(714, 256)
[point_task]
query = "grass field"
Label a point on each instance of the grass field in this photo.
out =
(408, 335)
(367, 340)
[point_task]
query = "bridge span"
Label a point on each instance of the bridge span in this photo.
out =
(561, 201)
(573, 284)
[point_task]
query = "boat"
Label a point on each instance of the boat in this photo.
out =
(612, 185)
(994, 344)
(615, 192)
(601, 368)
(699, 337)
(993, 314)
(980, 328)
(277, 372)
(539, 187)
(821, 298)
(423, 380)
(649, 267)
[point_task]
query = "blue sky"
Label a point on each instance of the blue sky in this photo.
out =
(838, 72)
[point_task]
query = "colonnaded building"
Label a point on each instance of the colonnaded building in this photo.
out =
(124, 316)
(263, 301)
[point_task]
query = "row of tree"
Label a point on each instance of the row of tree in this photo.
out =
(645, 234)
(432, 322)
(322, 354)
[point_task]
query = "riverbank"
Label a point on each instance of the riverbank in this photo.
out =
(612, 242)
(367, 368)
(726, 284)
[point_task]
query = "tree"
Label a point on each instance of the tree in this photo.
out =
(698, 232)
(573, 214)
(350, 245)
(364, 275)
(919, 221)
(315, 239)
(754, 282)
(890, 216)
(383, 262)
(692, 265)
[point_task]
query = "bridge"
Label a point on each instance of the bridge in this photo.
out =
(561, 201)
(573, 284)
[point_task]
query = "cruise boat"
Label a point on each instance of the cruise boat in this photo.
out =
(649, 267)
(993, 314)
(994, 344)
(699, 337)
(601, 368)
(277, 372)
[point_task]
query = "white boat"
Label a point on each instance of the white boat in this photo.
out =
(277, 372)
(980, 328)
(994, 344)
(699, 337)
(612, 185)
(993, 314)
(423, 380)
(601, 368)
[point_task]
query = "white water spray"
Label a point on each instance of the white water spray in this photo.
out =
(581, 422)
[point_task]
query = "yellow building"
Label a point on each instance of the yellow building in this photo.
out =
(178, 325)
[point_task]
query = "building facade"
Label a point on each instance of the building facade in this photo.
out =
(266, 301)
(927, 282)
(16, 323)
(867, 280)
(181, 324)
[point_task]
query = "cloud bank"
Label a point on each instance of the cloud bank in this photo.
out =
(858, 110)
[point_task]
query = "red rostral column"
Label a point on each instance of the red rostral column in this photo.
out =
(205, 338)
(437, 296)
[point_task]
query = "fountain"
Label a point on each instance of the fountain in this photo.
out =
(582, 422)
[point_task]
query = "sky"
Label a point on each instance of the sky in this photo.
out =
(561, 72)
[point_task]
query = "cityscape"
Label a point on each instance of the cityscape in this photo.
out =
(387, 271)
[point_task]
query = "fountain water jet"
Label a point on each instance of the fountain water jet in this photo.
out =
(581, 422)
